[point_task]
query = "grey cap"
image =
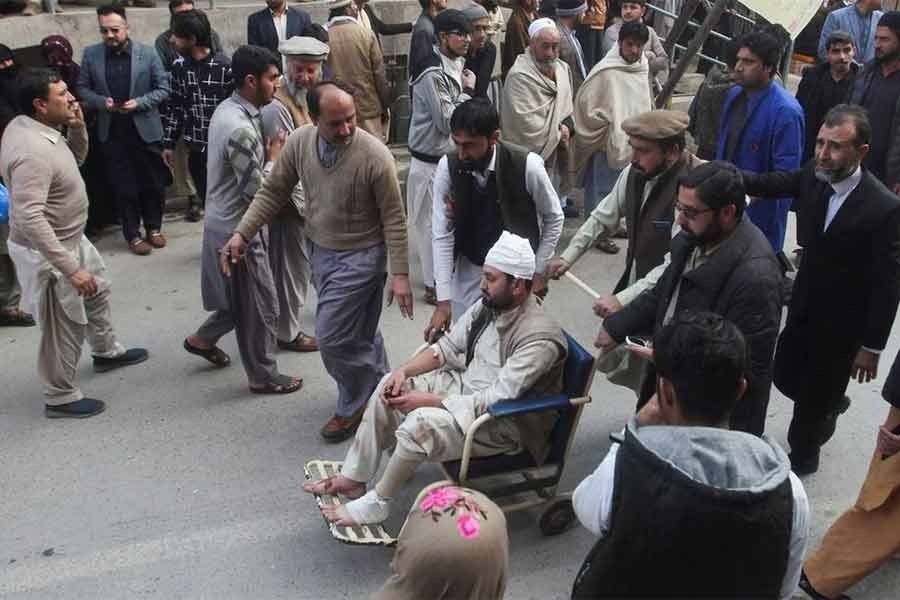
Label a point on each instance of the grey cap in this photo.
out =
(474, 11)
(304, 46)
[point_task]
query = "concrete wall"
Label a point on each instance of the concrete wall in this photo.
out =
(79, 24)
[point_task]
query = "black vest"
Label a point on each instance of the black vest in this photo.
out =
(650, 225)
(672, 537)
(481, 215)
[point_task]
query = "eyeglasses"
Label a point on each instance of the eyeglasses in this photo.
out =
(462, 34)
(691, 213)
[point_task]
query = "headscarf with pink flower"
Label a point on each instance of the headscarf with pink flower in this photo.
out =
(454, 544)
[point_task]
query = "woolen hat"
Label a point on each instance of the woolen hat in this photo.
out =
(891, 20)
(657, 124)
(474, 11)
(452, 20)
(570, 8)
(304, 46)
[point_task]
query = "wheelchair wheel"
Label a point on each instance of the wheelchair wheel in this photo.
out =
(557, 517)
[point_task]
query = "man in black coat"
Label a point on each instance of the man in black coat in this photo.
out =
(847, 289)
(721, 263)
(274, 24)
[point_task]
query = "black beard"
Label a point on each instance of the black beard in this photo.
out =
(479, 165)
(712, 234)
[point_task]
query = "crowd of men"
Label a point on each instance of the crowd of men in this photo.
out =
(281, 149)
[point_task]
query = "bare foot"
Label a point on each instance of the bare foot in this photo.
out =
(338, 515)
(337, 484)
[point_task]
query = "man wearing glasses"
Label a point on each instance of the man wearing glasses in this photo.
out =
(443, 85)
(722, 263)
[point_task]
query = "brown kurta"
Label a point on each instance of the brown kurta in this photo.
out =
(516, 38)
(355, 57)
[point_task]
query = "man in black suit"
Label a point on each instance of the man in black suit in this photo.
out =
(846, 292)
(275, 24)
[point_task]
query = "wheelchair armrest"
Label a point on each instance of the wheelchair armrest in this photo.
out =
(509, 408)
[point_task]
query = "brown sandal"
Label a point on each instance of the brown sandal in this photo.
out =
(301, 343)
(215, 355)
(282, 384)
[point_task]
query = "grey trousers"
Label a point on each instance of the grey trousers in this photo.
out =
(291, 271)
(10, 291)
(350, 286)
(252, 313)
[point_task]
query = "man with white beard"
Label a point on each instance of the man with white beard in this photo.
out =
(288, 256)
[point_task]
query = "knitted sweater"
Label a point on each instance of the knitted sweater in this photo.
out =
(353, 205)
(47, 198)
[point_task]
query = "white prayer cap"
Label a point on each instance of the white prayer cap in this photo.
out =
(538, 25)
(307, 47)
(512, 255)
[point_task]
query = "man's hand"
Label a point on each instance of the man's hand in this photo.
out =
(888, 443)
(865, 366)
(84, 282)
(564, 136)
(539, 286)
(413, 399)
(897, 188)
(606, 305)
(168, 157)
(393, 387)
(110, 105)
(400, 289)
(76, 121)
(468, 79)
(604, 341)
(129, 106)
(449, 207)
(557, 267)
(440, 322)
(274, 145)
(232, 252)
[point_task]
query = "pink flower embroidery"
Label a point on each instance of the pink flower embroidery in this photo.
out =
(439, 498)
(468, 526)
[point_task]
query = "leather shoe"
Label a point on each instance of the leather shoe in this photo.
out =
(132, 356)
(339, 428)
(807, 587)
(80, 409)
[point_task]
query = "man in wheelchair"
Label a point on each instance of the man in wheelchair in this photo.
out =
(502, 348)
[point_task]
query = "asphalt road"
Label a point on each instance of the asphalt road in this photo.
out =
(189, 486)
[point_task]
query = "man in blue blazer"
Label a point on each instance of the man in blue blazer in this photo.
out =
(275, 24)
(762, 127)
(124, 82)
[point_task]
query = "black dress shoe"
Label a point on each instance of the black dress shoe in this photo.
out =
(807, 587)
(80, 409)
(132, 356)
(804, 465)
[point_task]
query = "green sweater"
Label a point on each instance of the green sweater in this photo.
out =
(353, 205)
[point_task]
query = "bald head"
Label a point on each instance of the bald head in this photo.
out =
(333, 110)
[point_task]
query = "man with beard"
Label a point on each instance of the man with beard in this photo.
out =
(288, 253)
(503, 348)
(201, 79)
(443, 85)
(876, 89)
(10, 291)
(242, 295)
(644, 195)
(491, 186)
(124, 82)
(762, 126)
(537, 104)
(355, 217)
(722, 263)
(847, 289)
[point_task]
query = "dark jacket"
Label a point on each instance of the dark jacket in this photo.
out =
(848, 286)
(889, 170)
(150, 86)
(482, 64)
(261, 27)
(741, 281)
(421, 46)
(810, 96)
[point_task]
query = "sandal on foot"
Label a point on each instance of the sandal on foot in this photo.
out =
(607, 245)
(16, 318)
(365, 510)
(282, 384)
(301, 343)
(215, 355)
